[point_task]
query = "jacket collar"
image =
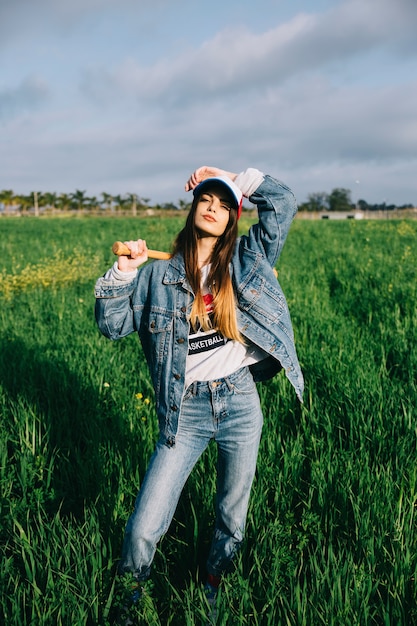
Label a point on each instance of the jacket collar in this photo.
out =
(175, 272)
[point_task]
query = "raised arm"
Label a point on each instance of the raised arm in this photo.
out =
(276, 210)
(113, 291)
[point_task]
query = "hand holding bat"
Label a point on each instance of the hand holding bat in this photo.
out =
(133, 253)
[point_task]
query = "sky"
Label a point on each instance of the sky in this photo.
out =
(130, 96)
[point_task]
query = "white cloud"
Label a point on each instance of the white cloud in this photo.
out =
(238, 61)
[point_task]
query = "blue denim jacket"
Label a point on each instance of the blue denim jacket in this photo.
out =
(156, 304)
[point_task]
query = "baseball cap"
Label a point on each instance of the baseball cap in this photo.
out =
(232, 189)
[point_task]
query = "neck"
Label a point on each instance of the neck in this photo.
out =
(205, 247)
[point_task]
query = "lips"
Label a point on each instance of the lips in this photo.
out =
(209, 218)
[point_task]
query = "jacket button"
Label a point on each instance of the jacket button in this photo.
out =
(183, 309)
(177, 376)
(174, 407)
(180, 340)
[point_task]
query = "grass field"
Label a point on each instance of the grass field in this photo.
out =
(331, 535)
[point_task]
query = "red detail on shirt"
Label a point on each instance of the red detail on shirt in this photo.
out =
(208, 301)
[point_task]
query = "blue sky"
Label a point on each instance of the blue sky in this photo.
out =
(129, 96)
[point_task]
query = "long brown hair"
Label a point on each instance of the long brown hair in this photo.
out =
(219, 280)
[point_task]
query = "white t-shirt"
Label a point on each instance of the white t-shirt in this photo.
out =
(210, 355)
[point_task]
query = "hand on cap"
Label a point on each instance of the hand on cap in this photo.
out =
(204, 172)
(138, 255)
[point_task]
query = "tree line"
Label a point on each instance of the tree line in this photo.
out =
(38, 201)
(338, 200)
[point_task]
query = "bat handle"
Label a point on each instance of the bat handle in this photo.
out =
(120, 249)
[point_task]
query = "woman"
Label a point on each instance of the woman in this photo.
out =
(212, 320)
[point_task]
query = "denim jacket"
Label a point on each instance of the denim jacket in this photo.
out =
(157, 302)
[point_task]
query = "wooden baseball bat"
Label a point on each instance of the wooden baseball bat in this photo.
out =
(120, 249)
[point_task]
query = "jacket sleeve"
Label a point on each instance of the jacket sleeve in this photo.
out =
(113, 308)
(276, 210)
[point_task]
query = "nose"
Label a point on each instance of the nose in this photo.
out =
(212, 206)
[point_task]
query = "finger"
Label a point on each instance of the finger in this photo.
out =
(142, 247)
(138, 248)
(200, 174)
(135, 247)
(189, 184)
(196, 177)
(128, 245)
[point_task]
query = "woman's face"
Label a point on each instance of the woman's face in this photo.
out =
(212, 213)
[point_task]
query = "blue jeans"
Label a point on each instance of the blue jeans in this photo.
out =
(228, 411)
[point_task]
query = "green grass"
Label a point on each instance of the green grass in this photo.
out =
(331, 534)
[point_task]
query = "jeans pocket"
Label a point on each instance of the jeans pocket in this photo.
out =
(188, 393)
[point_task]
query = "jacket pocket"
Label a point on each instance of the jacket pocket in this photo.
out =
(159, 322)
(158, 331)
(262, 300)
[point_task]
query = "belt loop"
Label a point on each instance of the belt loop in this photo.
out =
(229, 384)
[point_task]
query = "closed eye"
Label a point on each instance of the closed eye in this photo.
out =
(207, 197)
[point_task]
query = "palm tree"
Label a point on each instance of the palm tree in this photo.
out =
(144, 202)
(63, 201)
(38, 201)
(8, 199)
(120, 201)
(78, 199)
(133, 199)
(92, 203)
(107, 200)
(25, 203)
(49, 199)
